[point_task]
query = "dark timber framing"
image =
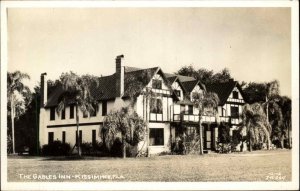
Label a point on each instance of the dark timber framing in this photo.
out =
(74, 125)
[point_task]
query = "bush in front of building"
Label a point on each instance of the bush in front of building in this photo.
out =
(225, 142)
(96, 149)
(56, 148)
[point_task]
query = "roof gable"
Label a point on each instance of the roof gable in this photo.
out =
(223, 89)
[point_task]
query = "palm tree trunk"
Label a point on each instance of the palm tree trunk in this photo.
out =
(148, 131)
(200, 135)
(289, 136)
(267, 109)
(124, 147)
(12, 114)
(250, 143)
(77, 131)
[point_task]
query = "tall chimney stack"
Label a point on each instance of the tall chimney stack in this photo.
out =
(120, 75)
(44, 89)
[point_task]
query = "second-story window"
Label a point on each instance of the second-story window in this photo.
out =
(235, 95)
(177, 92)
(96, 108)
(63, 114)
(190, 110)
(104, 108)
(156, 105)
(234, 111)
(156, 84)
(71, 111)
(52, 113)
(85, 114)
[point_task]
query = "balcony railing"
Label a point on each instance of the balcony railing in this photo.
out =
(204, 119)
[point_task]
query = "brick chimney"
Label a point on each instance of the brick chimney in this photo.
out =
(120, 75)
(44, 89)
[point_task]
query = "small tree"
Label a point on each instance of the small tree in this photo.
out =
(125, 123)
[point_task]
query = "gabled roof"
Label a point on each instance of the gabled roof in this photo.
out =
(223, 89)
(140, 76)
(171, 77)
(190, 85)
(106, 89)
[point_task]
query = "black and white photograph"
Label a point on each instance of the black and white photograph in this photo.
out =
(126, 95)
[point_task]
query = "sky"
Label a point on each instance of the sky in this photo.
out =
(253, 43)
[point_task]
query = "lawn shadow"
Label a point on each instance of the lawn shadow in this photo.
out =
(76, 158)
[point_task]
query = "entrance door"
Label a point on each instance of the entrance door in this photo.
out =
(208, 140)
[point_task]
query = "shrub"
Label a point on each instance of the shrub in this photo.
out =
(178, 147)
(96, 149)
(56, 148)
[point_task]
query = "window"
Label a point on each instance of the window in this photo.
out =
(63, 114)
(156, 84)
(195, 96)
(182, 109)
(235, 95)
(96, 109)
(93, 137)
(191, 130)
(104, 108)
(190, 110)
(63, 137)
(156, 136)
(234, 111)
(156, 105)
(50, 137)
(52, 113)
(177, 93)
(85, 114)
(72, 112)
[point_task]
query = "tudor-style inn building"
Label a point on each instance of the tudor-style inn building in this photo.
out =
(170, 113)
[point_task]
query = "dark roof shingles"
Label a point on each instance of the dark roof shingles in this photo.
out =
(223, 90)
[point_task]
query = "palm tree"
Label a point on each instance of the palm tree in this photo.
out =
(77, 90)
(272, 91)
(202, 102)
(127, 123)
(257, 127)
(136, 88)
(16, 89)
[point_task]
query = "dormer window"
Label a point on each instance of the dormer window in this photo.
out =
(156, 84)
(235, 95)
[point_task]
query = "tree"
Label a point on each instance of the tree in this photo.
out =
(271, 93)
(202, 102)
(255, 92)
(26, 126)
(77, 90)
(286, 107)
(18, 95)
(204, 75)
(276, 121)
(257, 127)
(128, 124)
(222, 76)
(136, 86)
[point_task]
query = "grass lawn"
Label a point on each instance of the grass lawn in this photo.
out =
(254, 166)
